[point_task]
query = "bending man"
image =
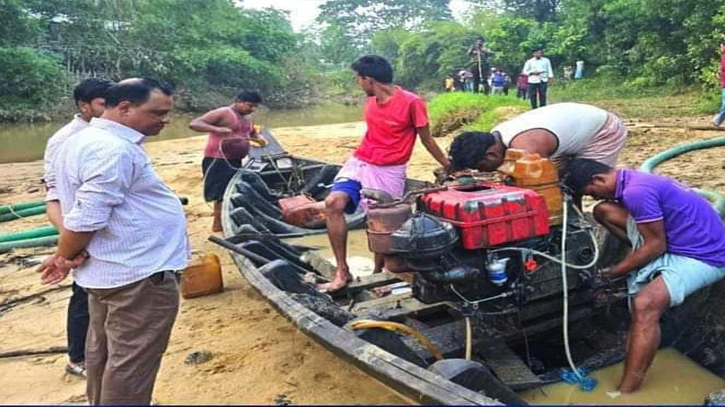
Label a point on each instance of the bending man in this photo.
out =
(678, 244)
(561, 132)
(394, 116)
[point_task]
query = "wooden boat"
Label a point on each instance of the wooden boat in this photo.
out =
(280, 272)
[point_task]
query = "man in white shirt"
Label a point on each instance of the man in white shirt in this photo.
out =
(89, 96)
(538, 69)
(133, 227)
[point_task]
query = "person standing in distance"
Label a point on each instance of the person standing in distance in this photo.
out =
(538, 70)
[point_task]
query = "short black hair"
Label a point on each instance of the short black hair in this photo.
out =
(375, 67)
(251, 96)
(469, 148)
(135, 90)
(91, 88)
(579, 173)
(538, 48)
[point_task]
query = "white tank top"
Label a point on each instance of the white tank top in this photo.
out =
(574, 124)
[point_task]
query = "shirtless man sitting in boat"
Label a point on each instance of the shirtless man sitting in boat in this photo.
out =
(561, 132)
(394, 117)
(678, 243)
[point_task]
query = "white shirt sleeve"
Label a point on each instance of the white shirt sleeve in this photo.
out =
(527, 68)
(550, 72)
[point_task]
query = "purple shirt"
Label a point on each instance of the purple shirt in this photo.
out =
(692, 226)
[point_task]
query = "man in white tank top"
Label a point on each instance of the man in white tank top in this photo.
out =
(561, 132)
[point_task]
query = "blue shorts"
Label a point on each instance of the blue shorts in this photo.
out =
(682, 275)
(352, 189)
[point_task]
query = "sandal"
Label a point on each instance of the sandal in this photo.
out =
(76, 370)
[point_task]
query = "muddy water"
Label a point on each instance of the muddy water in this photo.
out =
(672, 379)
(359, 257)
(26, 142)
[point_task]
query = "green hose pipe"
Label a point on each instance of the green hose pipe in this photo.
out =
(29, 234)
(651, 163)
(19, 206)
(22, 213)
(20, 244)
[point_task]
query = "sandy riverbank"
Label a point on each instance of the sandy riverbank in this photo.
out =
(259, 357)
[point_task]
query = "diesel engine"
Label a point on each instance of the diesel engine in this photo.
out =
(489, 247)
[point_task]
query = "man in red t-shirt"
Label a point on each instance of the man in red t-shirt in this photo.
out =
(394, 117)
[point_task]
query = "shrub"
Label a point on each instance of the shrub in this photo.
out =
(459, 110)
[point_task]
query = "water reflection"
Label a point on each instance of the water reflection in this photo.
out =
(26, 142)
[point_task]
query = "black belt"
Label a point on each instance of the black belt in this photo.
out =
(158, 277)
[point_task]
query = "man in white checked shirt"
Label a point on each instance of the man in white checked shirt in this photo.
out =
(133, 227)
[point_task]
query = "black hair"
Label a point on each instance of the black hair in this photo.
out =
(538, 48)
(469, 148)
(91, 88)
(375, 67)
(249, 96)
(579, 173)
(136, 91)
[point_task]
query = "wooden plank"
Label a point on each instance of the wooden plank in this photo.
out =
(392, 301)
(507, 365)
(366, 283)
(414, 310)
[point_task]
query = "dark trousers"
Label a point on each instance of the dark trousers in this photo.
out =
(521, 93)
(77, 324)
(477, 81)
(537, 93)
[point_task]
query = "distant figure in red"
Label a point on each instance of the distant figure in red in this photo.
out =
(522, 84)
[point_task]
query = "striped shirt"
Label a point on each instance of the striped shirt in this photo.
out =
(51, 150)
(105, 183)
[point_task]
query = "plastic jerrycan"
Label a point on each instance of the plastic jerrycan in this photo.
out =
(203, 276)
(531, 171)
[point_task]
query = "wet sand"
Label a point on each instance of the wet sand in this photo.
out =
(259, 357)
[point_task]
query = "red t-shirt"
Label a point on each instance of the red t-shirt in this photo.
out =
(391, 132)
(722, 71)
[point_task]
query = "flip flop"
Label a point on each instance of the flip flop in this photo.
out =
(76, 370)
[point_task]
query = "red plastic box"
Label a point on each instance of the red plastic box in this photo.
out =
(489, 214)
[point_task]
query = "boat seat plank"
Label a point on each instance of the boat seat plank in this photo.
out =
(389, 301)
(366, 283)
(509, 367)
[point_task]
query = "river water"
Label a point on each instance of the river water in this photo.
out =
(26, 142)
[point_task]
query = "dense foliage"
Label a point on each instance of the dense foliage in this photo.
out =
(199, 45)
(640, 42)
(210, 48)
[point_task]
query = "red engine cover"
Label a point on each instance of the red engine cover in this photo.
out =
(489, 214)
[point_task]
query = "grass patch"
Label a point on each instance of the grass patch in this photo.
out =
(459, 110)
(630, 100)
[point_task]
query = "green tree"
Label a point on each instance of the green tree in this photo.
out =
(360, 19)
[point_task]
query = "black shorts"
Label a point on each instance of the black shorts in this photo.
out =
(217, 174)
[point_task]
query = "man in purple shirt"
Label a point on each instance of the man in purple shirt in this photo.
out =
(678, 244)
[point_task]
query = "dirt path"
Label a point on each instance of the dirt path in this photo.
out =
(259, 357)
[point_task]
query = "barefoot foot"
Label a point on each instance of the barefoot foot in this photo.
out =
(340, 281)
